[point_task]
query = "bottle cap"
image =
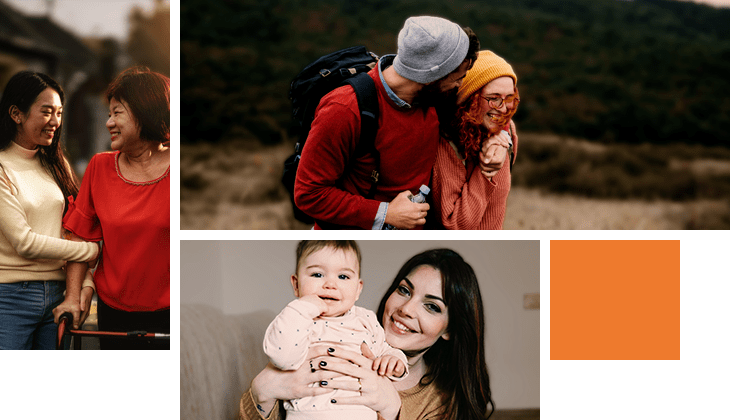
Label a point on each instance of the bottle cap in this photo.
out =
(424, 190)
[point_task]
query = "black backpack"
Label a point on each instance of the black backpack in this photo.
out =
(348, 66)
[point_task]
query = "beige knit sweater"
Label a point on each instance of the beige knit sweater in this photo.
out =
(418, 403)
(31, 208)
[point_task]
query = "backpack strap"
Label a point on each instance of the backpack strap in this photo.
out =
(367, 102)
(511, 148)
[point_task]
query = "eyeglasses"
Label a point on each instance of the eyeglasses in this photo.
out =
(497, 101)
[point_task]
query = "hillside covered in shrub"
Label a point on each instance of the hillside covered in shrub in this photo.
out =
(606, 70)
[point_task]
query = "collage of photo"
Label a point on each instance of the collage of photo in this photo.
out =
(190, 194)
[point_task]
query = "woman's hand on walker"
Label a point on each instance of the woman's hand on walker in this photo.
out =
(376, 392)
(70, 305)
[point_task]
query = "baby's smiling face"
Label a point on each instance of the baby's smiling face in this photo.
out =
(331, 274)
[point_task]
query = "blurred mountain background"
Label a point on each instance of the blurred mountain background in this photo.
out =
(621, 100)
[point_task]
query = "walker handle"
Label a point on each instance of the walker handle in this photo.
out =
(63, 322)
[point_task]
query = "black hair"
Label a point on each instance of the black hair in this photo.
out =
(22, 91)
(457, 365)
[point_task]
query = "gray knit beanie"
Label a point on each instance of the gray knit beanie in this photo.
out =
(429, 48)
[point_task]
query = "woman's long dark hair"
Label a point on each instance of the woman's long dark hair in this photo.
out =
(458, 365)
(22, 91)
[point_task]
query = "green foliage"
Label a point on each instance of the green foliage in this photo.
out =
(607, 70)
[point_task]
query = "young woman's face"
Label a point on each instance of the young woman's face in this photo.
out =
(331, 274)
(415, 314)
(122, 126)
(500, 87)
(38, 126)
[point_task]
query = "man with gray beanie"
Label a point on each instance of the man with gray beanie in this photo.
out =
(332, 180)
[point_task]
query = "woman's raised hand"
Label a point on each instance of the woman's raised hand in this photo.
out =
(494, 154)
(376, 392)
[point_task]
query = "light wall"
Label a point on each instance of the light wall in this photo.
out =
(247, 276)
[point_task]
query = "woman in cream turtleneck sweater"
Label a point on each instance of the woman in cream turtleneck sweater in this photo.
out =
(35, 179)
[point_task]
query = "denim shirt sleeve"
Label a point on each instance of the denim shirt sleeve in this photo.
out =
(380, 216)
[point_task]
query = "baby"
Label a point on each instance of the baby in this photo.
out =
(327, 283)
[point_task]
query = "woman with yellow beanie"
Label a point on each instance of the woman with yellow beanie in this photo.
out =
(472, 173)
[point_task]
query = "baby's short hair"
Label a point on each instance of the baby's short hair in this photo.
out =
(307, 248)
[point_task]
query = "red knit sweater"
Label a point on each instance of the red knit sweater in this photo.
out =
(331, 189)
(463, 197)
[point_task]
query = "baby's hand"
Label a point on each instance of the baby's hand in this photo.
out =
(389, 366)
(316, 300)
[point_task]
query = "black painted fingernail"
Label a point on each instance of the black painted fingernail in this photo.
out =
(331, 350)
(333, 401)
(323, 383)
(323, 363)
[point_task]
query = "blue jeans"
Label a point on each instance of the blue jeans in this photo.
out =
(26, 314)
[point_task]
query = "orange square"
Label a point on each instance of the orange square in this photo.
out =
(614, 300)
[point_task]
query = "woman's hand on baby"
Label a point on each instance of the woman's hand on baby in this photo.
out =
(376, 392)
(273, 384)
(388, 365)
(315, 300)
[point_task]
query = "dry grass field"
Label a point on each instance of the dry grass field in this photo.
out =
(533, 209)
(235, 185)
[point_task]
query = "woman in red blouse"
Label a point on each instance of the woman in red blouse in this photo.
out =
(124, 201)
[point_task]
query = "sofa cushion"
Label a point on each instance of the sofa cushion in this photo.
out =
(219, 356)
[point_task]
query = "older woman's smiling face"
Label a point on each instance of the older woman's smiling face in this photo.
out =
(415, 314)
(122, 126)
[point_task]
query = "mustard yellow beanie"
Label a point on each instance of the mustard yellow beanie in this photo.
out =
(487, 67)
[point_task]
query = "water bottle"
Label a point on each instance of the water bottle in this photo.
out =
(418, 198)
(421, 196)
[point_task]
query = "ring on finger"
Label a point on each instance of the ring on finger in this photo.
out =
(360, 386)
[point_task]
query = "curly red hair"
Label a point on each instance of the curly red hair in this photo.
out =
(467, 123)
